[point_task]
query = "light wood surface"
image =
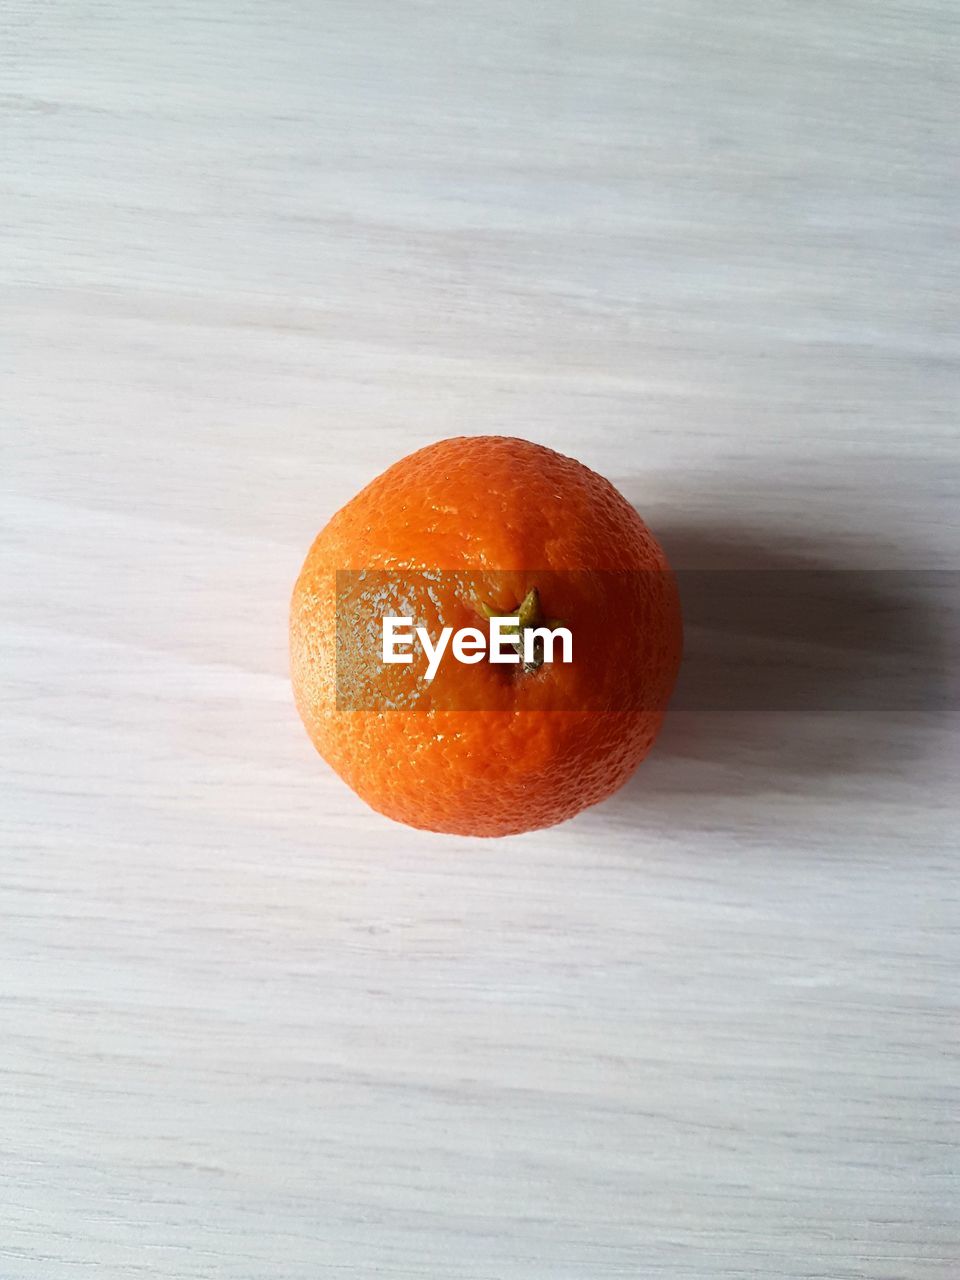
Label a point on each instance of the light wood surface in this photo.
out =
(253, 253)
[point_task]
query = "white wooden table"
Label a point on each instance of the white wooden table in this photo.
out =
(251, 254)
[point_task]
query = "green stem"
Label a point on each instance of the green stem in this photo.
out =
(529, 615)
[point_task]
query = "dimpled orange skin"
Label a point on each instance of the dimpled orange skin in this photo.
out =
(499, 509)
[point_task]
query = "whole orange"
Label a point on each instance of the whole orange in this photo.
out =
(454, 532)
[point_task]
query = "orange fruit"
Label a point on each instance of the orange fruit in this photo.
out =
(455, 532)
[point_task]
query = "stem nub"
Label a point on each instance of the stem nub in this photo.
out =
(529, 615)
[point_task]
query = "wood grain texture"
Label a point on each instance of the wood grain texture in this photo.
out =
(252, 253)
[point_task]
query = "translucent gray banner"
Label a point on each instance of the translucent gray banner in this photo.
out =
(754, 640)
